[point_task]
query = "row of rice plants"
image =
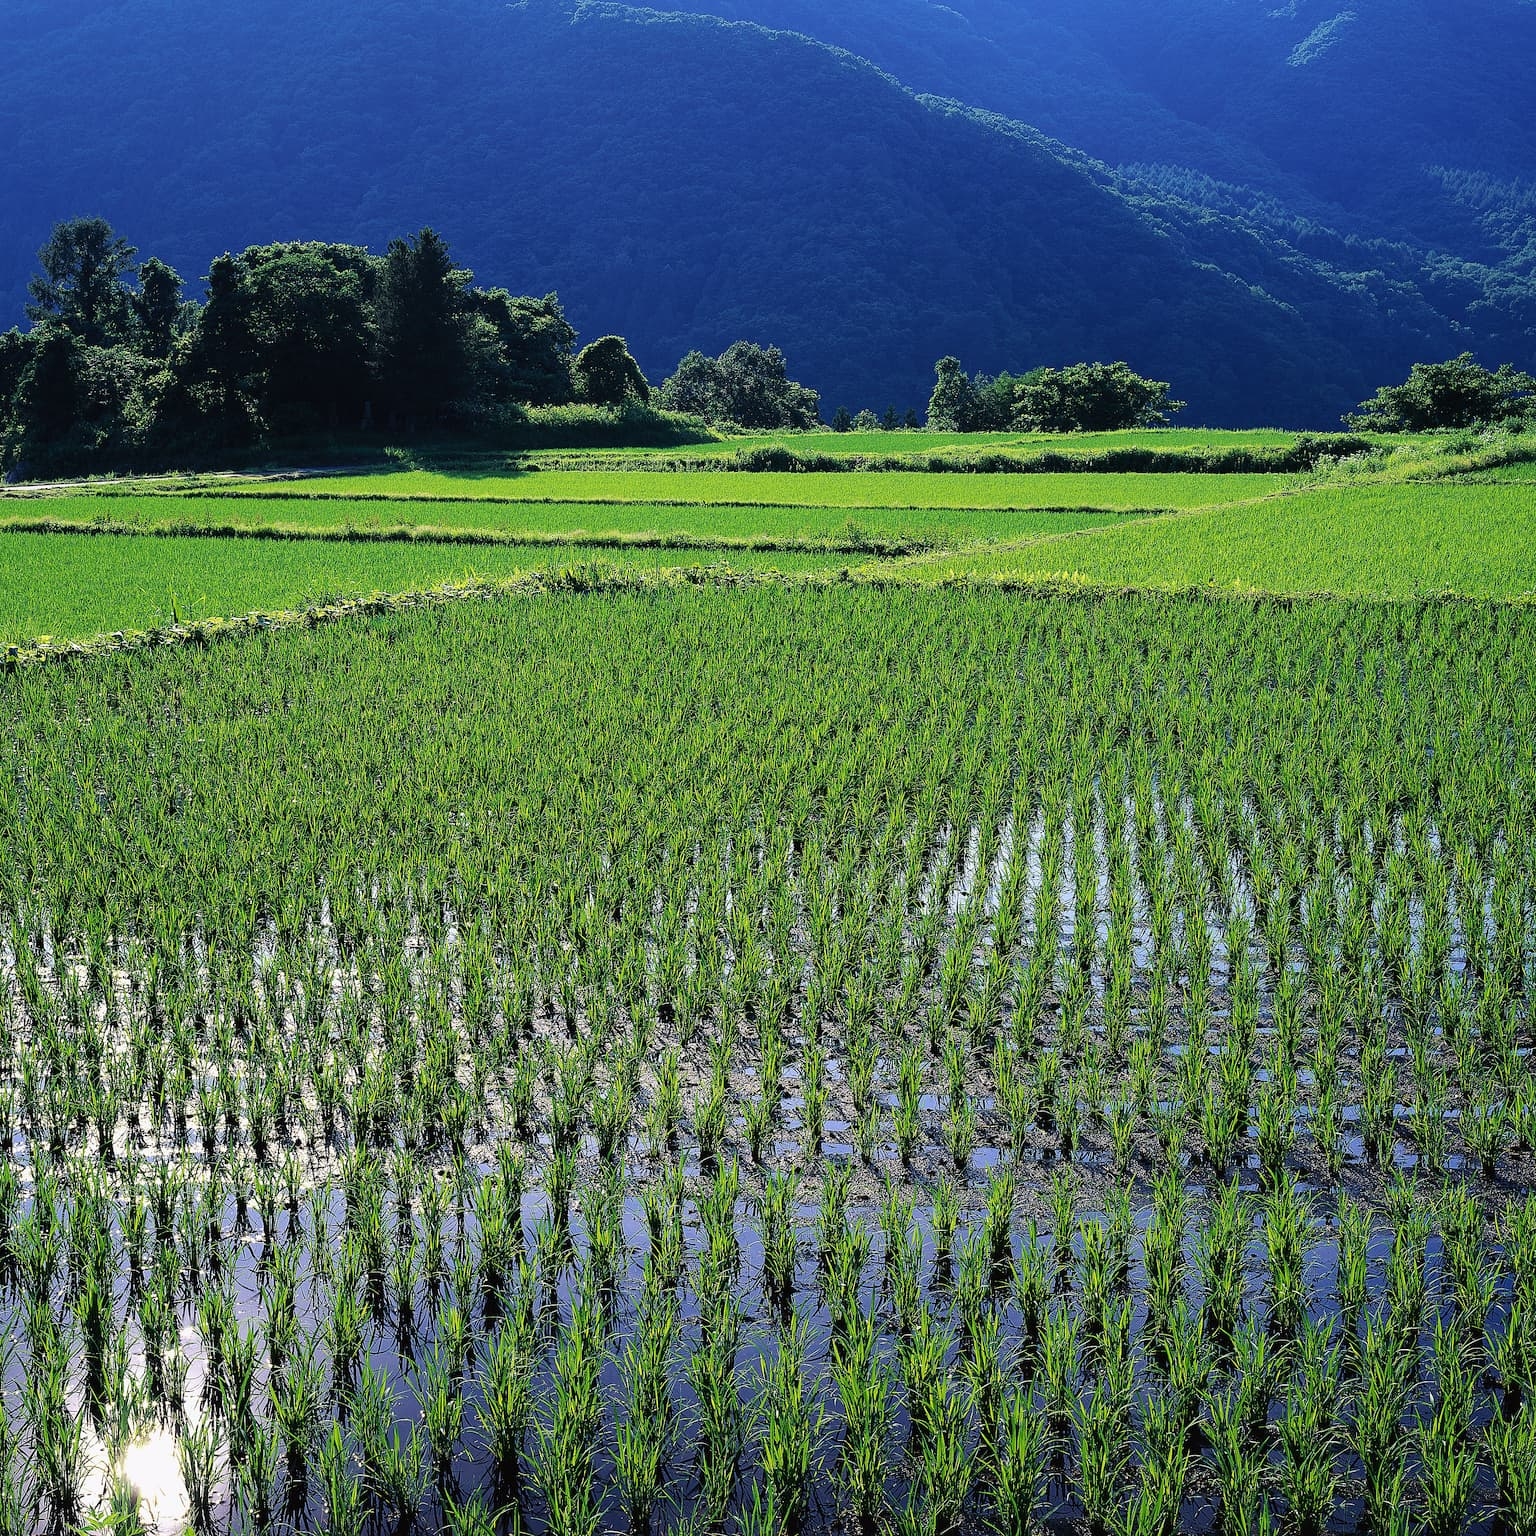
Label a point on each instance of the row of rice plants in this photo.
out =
(758, 1058)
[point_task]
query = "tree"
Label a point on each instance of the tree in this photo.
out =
(910, 423)
(890, 421)
(1091, 397)
(746, 386)
(843, 420)
(216, 374)
(157, 307)
(425, 358)
(83, 285)
(532, 345)
(309, 310)
(607, 375)
(866, 421)
(952, 406)
(77, 404)
(994, 402)
(15, 353)
(1458, 393)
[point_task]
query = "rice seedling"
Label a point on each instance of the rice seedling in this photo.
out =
(789, 1425)
(333, 1076)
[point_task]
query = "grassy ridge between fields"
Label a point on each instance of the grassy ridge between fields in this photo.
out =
(1379, 541)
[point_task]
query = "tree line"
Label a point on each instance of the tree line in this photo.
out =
(120, 369)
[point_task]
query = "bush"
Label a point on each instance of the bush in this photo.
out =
(1459, 393)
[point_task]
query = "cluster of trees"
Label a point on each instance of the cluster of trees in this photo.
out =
(747, 386)
(119, 368)
(1456, 394)
(1084, 397)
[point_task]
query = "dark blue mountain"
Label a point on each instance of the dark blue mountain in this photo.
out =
(687, 180)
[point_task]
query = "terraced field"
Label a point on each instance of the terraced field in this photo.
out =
(1380, 541)
(890, 490)
(707, 1011)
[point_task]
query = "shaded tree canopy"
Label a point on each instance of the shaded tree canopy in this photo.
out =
(1457, 393)
(291, 338)
(1091, 397)
(607, 375)
(747, 386)
(953, 406)
(83, 284)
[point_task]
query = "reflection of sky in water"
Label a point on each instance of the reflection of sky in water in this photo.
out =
(150, 1467)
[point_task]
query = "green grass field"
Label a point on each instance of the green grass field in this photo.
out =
(1368, 540)
(737, 488)
(535, 520)
(1365, 531)
(72, 586)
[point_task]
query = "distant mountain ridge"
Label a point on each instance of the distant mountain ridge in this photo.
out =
(687, 180)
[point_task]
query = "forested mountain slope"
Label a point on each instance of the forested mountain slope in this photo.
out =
(1396, 118)
(686, 181)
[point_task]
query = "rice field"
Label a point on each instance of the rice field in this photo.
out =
(1377, 541)
(877, 490)
(729, 527)
(775, 1059)
(77, 585)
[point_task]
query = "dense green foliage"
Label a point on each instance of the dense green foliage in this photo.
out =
(1399, 123)
(292, 339)
(1457, 394)
(747, 387)
(685, 183)
(807, 1055)
(1092, 397)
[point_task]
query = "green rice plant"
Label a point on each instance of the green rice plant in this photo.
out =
(1240, 1459)
(945, 1217)
(1031, 1289)
(1002, 1191)
(863, 1389)
(566, 1433)
(297, 1393)
(1512, 1455)
(776, 1211)
(1386, 1380)
(643, 1433)
(1287, 1225)
(1022, 1475)
(1059, 1357)
(1489, 1131)
(943, 1469)
(255, 1478)
(57, 1436)
(197, 1458)
(789, 1423)
(1355, 1227)
(1309, 1433)
(345, 1511)
(907, 1118)
(832, 1213)
(1103, 1456)
(1165, 1469)
(722, 1425)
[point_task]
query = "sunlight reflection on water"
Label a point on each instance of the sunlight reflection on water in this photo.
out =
(152, 1469)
